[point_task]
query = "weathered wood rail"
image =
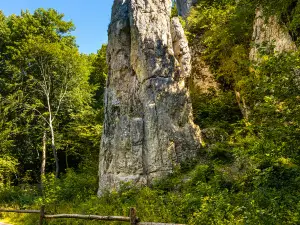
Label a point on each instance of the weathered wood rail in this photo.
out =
(132, 219)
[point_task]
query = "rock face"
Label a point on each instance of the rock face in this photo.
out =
(184, 6)
(148, 125)
(270, 32)
(202, 79)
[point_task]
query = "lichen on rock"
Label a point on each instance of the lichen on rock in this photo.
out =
(148, 126)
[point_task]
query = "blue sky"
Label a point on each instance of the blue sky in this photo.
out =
(91, 17)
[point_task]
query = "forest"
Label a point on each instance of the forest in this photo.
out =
(52, 114)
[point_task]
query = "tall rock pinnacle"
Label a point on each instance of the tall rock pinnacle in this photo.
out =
(148, 125)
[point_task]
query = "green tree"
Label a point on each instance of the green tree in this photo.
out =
(55, 71)
(98, 75)
(44, 74)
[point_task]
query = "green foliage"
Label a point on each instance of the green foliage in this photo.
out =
(174, 12)
(249, 170)
(207, 194)
(8, 166)
(215, 109)
(287, 11)
(224, 28)
(24, 196)
(43, 76)
(273, 93)
(98, 77)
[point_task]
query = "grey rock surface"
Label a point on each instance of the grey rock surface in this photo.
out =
(271, 34)
(184, 6)
(148, 126)
(202, 79)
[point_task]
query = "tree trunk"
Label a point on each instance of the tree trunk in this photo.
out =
(242, 105)
(43, 166)
(54, 150)
(52, 137)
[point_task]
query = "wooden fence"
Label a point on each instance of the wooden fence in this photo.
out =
(132, 219)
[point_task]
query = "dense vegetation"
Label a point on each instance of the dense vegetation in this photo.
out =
(247, 173)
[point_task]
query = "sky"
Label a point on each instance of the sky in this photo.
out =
(91, 17)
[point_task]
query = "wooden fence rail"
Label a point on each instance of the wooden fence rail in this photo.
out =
(132, 219)
(88, 217)
(20, 211)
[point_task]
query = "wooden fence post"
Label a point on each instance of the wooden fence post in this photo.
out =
(133, 218)
(42, 214)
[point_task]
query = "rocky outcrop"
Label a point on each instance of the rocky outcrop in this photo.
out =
(184, 6)
(202, 79)
(271, 35)
(148, 125)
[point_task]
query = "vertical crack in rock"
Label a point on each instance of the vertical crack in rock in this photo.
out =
(148, 125)
(269, 32)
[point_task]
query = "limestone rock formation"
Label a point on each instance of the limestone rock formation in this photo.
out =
(270, 32)
(148, 125)
(202, 79)
(184, 6)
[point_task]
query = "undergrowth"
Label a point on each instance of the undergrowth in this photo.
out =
(249, 170)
